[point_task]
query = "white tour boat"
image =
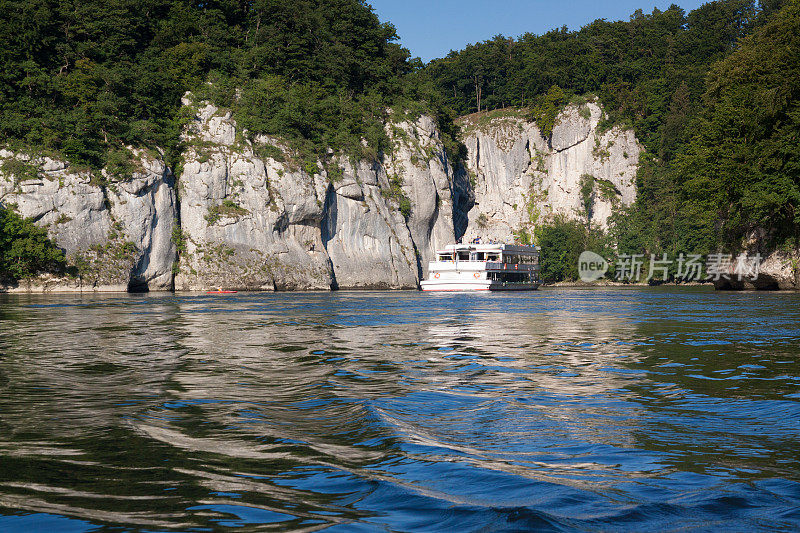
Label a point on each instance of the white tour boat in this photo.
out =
(483, 267)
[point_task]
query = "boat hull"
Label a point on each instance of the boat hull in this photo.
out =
(477, 285)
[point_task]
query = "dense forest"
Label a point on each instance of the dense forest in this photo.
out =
(712, 94)
(86, 78)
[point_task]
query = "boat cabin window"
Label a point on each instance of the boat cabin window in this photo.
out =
(483, 255)
(521, 259)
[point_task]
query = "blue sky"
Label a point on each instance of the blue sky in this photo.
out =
(431, 28)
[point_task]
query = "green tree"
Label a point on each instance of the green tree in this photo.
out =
(87, 78)
(25, 249)
(741, 168)
(561, 242)
(548, 108)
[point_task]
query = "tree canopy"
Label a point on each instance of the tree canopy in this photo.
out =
(81, 78)
(745, 143)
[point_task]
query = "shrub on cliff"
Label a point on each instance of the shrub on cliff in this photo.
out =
(547, 108)
(25, 249)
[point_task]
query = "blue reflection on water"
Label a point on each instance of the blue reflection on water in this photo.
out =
(607, 409)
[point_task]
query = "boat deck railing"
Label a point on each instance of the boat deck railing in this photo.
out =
(481, 266)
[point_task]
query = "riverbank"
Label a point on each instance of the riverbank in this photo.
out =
(70, 286)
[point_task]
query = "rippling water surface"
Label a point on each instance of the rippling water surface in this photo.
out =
(562, 409)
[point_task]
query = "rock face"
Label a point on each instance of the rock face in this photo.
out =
(247, 223)
(366, 237)
(144, 207)
(519, 178)
(116, 231)
(420, 163)
(779, 270)
(251, 219)
(244, 215)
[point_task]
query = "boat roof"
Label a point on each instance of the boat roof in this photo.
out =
(520, 249)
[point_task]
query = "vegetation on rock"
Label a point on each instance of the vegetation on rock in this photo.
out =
(228, 208)
(25, 249)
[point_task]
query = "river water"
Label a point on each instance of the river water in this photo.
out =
(562, 409)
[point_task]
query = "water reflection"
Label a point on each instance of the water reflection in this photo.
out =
(587, 409)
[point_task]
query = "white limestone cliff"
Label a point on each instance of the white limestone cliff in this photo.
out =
(520, 178)
(365, 234)
(253, 219)
(246, 223)
(245, 215)
(420, 163)
(116, 232)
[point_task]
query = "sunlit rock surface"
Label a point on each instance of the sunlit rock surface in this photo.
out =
(252, 218)
(777, 270)
(117, 232)
(519, 178)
